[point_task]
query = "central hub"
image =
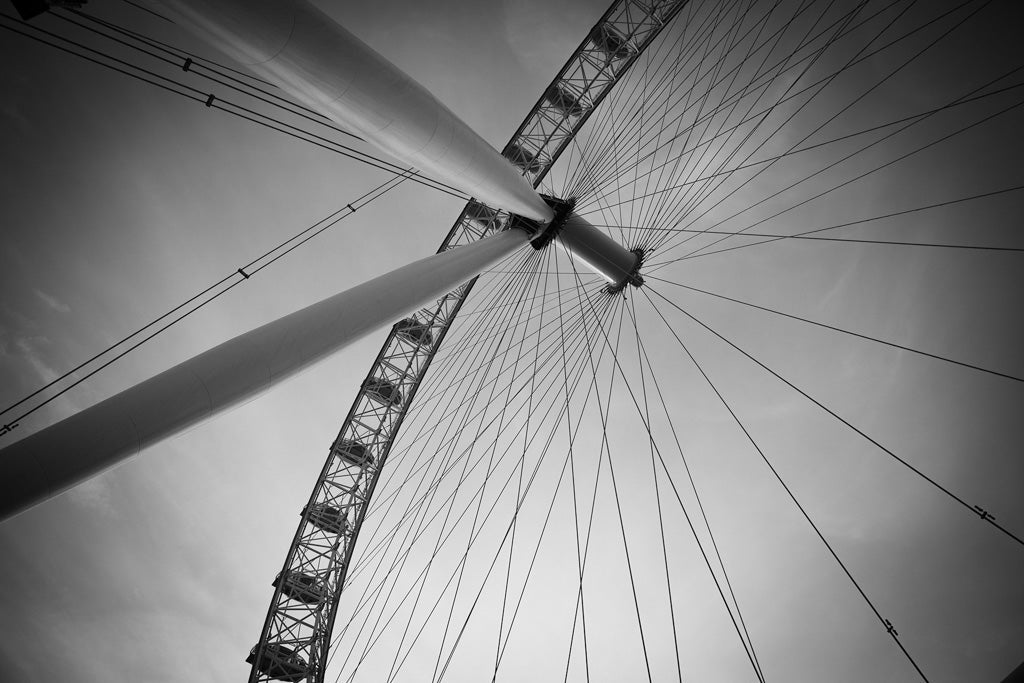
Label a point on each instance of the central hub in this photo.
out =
(543, 233)
(585, 244)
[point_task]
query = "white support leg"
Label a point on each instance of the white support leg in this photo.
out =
(56, 458)
(304, 52)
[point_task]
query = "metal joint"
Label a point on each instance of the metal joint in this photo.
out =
(543, 233)
(634, 278)
(983, 513)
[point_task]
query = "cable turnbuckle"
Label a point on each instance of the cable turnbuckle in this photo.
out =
(984, 514)
(890, 629)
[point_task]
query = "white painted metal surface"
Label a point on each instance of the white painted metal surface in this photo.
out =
(594, 249)
(56, 458)
(304, 52)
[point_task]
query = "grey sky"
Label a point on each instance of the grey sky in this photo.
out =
(119, 201)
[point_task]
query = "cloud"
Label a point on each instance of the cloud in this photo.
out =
(28, 348)
(14, 114)
(53, 302)
(94, 494)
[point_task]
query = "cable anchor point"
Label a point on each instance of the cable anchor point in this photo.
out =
(985, 515)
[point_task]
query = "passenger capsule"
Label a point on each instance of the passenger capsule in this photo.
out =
(562, 98)
(327, 518)
(608, 39)
(353, 451)
(383, 392)
(303, 588)
(524, 159)
(280, 663)
(414, 331)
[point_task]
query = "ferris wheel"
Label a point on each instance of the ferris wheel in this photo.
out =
(705, 389)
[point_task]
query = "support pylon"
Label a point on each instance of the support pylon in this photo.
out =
(300, 49)
(56, 458)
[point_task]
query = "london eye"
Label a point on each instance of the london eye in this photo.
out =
(777, 439)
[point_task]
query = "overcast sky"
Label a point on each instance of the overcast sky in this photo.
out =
(118, 201)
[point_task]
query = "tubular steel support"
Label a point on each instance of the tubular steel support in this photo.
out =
(600, 253)
(56, 458)
(300, 49)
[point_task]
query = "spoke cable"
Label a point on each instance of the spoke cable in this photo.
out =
(885, 622)
(981, 512)
(826, 326)
(700, 507)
